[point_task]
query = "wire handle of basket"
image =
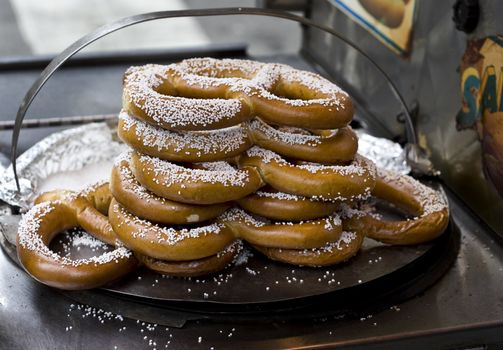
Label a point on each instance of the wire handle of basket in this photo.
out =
(106, 29)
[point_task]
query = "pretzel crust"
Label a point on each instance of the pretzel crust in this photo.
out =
(332, 253)
(146, 205)
(171, 243)
(193, 268)
(337, 182)
(427, 205)
(194, 186)
(209, 94)
(55, 213)
(285, 207)
(182, 146)
(333, 147)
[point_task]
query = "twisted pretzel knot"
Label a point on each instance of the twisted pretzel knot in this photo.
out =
(206, 94)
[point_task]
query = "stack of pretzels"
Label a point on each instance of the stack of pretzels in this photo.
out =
(224, 152)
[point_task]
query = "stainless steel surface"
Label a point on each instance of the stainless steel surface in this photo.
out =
(65, 151)
(59, 60)
(47, 122)
(428, 78)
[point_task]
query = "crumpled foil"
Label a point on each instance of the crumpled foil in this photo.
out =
(73, 149)
(68, 150)
(386, 154)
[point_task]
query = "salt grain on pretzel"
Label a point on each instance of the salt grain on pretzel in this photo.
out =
(336, 147)
(429, 208)
(194, 268)
(47, 219)
(284, 206)
(336, 182)
(222, 183)
(332, 253)
(179, 146)
(146, 205)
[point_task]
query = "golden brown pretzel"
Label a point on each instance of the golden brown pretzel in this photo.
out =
(337, 147)
(206, 93)
(150, 96)
(188, 146)
(429, 207)
(168, 243)
(193, 268)
(90, 208)
(332, 253)
(336, 182)
(289, 235)
(218, 183)
(284, 206)
(146, 205)
(43, 222)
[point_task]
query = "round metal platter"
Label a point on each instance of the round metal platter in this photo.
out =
(378, 275)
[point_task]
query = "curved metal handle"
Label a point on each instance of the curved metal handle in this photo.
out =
(102, 31)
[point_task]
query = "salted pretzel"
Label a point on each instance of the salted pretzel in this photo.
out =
(276, 92)
(332, 253)
(218, 182)
(193, 268)
(288, 235)
(146, 205)
(284, 206)
(150, 95)
(427, 206)
(208, 94)
(60, 211)
(335, 182)
(188, 146)
(168, 243)
(332, 147)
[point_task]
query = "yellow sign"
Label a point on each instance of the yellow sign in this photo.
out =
(390, 21)
(482, 102)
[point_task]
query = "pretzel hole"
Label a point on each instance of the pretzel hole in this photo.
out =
(390, 211)
(77, 244)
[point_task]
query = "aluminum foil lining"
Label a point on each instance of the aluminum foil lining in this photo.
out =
(69, 150)
(74, 149)
(385, 153)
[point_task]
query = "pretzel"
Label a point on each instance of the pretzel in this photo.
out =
(219, 182)
(336, 147)
(276, 92)
(168, 243)
(190, 243)
(208, 94)
(194, 268)
(289, 235)
(63, 211)
(336, 182)
(188, 146)
(90, 207)
(332, 253)
(146, 205)
(149, 95)
(427, 205)
(284, 206)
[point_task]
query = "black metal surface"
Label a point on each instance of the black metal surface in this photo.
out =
(463, 309)
(261, 285)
